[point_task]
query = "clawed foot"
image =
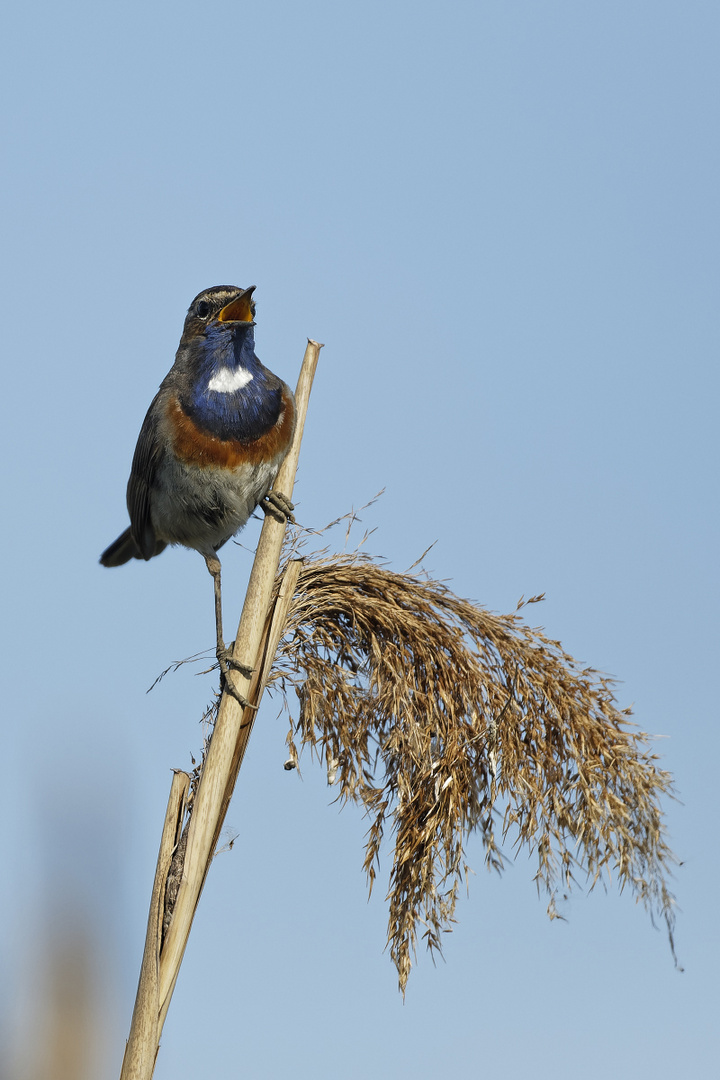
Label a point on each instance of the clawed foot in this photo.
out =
(227, 664)
(278, 506)
(226, 660)
(227, 687)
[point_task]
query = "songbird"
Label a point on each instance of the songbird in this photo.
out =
(211, 444)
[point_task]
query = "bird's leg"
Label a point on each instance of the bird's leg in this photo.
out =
(213, 564)
(224, 657)
(278, 506)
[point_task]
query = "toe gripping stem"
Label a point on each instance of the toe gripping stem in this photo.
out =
(227, 664)
(278, 506)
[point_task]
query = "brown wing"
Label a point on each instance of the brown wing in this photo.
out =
(146, 461)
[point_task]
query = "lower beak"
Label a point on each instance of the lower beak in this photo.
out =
(238, 310)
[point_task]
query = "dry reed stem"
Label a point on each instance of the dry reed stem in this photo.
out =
(213, 794)
(442, 719)
(225, 751)
(143, 1028)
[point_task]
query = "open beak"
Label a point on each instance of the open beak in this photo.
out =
(238, 310)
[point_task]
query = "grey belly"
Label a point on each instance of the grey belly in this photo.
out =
(202, 508)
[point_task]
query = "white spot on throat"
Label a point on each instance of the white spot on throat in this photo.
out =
(227, 380)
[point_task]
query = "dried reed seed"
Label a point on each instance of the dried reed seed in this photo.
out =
(442, 719)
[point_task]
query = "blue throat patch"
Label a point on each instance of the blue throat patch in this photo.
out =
(243, 414)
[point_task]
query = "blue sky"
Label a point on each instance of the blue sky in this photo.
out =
(501, 218)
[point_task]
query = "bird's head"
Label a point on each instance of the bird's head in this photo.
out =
(222, 307)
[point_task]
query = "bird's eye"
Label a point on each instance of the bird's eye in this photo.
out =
(202, 309)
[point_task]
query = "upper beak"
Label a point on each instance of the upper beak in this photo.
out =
(238, 310)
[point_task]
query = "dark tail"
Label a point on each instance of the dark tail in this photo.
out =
(121, 551)
(124, 549)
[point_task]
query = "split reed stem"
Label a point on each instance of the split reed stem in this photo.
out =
(255, 644)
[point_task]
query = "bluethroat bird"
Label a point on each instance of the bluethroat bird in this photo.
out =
(211, 444)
